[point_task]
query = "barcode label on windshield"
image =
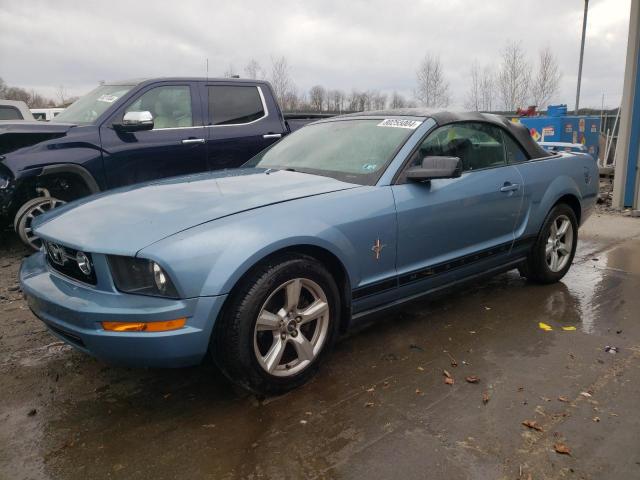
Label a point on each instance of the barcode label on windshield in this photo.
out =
(392, 122)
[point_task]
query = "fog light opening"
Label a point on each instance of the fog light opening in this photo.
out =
(163, 326)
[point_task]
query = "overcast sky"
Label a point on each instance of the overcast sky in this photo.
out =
(336, 43)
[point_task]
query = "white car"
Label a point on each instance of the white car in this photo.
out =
(46, 114)
(14, 110)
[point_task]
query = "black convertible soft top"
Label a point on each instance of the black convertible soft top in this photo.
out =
(443, 117)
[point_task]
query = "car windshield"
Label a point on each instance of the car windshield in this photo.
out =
(87, 109)
(355, 151)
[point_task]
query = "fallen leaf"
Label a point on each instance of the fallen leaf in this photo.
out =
(569, 329)
(472, 332)
(303, 422)
(368, 404)
(448, 380)
(585, 394)
(472, 379)
(563, 399)
(545, 327)
(485, 397)
(596, 419)
(446, 374)
(487, 308)
(533, 424)
(562, 448)
(421, 369)
(418, 391)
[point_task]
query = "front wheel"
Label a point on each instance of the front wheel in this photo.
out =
(278, 325)
(26, 213)
(552, 255)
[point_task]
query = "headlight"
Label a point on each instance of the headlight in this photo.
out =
(141, 276)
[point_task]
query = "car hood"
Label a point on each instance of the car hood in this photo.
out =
(126, 220)
(19, 134)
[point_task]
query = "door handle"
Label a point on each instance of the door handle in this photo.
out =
(272, 135)
(510, 187)
(189, 141)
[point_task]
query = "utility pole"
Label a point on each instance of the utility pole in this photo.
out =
(584, 31)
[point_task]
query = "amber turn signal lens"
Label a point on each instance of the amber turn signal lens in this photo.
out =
(144, 326)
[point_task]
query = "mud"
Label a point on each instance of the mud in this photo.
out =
(378, 409)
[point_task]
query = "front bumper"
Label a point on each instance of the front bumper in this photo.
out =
(73, 311)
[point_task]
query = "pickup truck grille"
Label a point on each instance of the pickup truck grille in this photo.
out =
(64, 260)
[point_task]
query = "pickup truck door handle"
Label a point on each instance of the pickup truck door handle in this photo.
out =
(509, 187)
(272, 135)
(189, 141)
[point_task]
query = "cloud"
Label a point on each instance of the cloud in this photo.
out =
(356, 44)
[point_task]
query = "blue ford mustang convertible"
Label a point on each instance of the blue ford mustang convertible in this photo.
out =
(262, 267)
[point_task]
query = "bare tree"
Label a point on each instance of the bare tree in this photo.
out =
(62, 94)
(432, 88)
(317, 97)
(547, 81)
(253, 70)
(397, 101)
(230, 72)
(481, 90)
(472, 102)
(335, 100)
(487, 89)
(514, 77)
(281, 81)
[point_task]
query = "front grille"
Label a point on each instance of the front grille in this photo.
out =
(63, 260)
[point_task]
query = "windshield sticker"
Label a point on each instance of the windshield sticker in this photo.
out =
(107, 98)
(392, 122)
(369, 167)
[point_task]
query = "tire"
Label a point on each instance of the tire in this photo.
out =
(284, 349)
(552, 243)
(25, 215)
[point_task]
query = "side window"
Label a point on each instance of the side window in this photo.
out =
(230, 105)
(170, 106)
(515, 154)
(10, 113)
(478, 145)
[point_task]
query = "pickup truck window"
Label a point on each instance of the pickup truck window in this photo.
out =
(355, 151)
(232, 105)
(169, 105)
(478, 145)
(9, 113)
(87, 109)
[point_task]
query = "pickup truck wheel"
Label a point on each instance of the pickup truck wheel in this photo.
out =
(25, 215)
(278, 326)
(553, 252)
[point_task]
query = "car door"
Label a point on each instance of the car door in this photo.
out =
(175, 146)
(450, 228)
(242, 122)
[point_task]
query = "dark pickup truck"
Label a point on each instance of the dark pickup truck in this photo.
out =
(129, 132)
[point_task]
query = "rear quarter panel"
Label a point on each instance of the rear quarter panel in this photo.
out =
(546, 180)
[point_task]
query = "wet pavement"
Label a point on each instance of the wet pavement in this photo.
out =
(380, 407)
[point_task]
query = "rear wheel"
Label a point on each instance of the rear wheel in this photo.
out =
(278, 325)
(553, 252)
(27, 213)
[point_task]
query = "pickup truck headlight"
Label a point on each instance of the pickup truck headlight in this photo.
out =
(141, 276)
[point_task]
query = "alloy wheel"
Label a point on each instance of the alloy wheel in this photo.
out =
(292, 327)
(559, 243)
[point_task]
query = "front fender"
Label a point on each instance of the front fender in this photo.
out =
(209, 259)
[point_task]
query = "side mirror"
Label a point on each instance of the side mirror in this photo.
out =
(135, 122)
(436, 167)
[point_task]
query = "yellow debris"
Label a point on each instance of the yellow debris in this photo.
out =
(568, 329)
(545, 327)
